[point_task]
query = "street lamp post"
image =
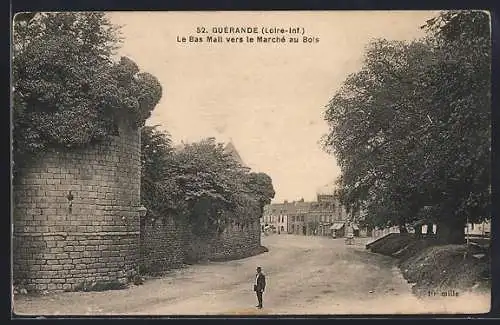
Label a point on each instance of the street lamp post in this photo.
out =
(142, 211)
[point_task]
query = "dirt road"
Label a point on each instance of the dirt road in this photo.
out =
(305, 275)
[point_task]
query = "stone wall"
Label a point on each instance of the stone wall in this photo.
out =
(76, 220)
(236, 241)
(167, 243)
(163, 242)
(76, 215)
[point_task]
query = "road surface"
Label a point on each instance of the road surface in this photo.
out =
(305, 275)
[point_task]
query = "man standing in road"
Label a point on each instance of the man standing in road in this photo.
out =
(259, 286)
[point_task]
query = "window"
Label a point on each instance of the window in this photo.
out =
(302, 218)
(293, 218)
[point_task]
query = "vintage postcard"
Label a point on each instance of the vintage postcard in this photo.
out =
(251, 163)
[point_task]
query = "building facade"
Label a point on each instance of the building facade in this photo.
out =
(316, 218)
(275, 217)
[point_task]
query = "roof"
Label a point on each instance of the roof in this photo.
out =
(419, 222)
(326, 189)
(231, 149)
(337, 225)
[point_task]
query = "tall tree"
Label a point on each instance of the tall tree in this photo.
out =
(461, 85)
(212, 181)
(199, 182)
(411, 129)
(261, 186)
(160, 193)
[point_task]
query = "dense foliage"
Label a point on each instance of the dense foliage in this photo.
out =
(160, 193)
(200, 182)
(68, 90)
(261, 185)
(411, 129)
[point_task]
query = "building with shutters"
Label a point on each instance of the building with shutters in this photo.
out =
(313, 218)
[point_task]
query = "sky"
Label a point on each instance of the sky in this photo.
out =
(267, 98)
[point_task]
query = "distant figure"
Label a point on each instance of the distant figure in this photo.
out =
(259, 286)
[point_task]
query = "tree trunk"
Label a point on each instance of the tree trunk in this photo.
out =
(451, 231)
(402, 229)
(430, 229)
(418, 231)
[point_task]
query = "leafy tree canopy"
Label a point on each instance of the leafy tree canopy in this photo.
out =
(261, 185)
(160, 193)
(68, 90)
(411, 129)
(201, 182)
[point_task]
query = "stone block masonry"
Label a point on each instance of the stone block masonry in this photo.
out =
(238, 240)
(76, 215)
(163, 242)
(76, 220)
(167, 243)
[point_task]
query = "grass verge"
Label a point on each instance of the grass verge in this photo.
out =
(432, 267)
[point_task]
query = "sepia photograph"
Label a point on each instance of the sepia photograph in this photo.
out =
(251, 163)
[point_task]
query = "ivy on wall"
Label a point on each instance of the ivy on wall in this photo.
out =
(68, 91)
